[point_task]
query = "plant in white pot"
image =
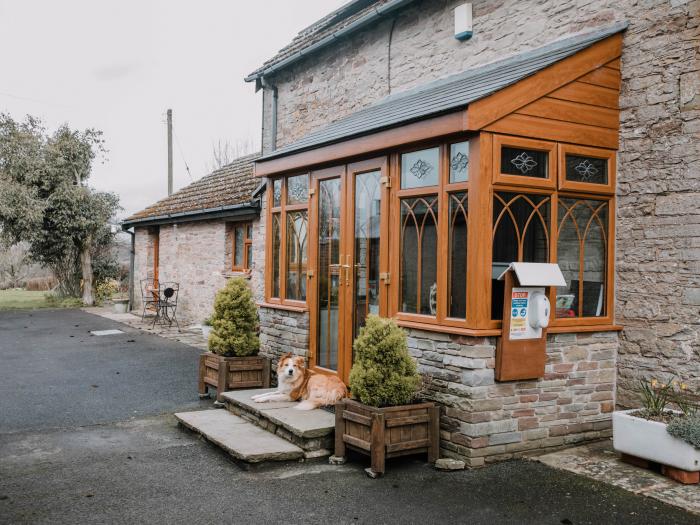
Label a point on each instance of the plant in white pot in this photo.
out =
(659, 434)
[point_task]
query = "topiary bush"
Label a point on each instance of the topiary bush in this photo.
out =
(686, 428)
(383, 374)
(235, 321)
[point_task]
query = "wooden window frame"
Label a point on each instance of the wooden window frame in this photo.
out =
(282, 302)
(585, 151)
(500, 141)
(247, 241)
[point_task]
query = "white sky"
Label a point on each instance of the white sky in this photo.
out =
(118, 65)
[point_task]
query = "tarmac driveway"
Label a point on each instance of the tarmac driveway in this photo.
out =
(55, 373)
(86, 436)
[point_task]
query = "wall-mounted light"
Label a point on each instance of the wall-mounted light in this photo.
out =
(463, 22)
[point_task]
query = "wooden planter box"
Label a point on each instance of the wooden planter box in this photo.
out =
(230, 373)
(389, 432)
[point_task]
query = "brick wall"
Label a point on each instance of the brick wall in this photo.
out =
(658, 219)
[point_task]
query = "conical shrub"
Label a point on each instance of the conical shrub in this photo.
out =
(235, 321)
(383, 373)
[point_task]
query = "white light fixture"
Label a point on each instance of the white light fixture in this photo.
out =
(463, 22)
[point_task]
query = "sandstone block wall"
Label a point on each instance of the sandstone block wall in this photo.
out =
(658, 222)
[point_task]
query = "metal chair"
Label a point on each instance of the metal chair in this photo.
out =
(149, 297)
(167, 304)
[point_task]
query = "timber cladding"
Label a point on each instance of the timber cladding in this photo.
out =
(387, 432)
(230, 373)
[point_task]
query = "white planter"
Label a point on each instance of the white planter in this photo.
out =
(649, 440)
(121, 305)
(206, 330)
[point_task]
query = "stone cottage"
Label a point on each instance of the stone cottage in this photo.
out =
(199, 236)
(406, 168)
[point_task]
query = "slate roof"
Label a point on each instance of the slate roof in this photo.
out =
(233, 184)
(326, 26)
(446, 95)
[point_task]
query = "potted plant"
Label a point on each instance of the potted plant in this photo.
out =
(206, 328)
(384, 419)
(120, 303)
(233, 361)
(655, 433)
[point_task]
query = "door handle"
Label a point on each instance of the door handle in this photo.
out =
(347, 270)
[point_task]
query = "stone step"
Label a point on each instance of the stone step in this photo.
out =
(311, 430)
(239, 438)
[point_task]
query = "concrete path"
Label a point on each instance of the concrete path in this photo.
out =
(74, 453)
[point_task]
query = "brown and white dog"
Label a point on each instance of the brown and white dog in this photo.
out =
(295, 382)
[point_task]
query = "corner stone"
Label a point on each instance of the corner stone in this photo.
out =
(449, 464)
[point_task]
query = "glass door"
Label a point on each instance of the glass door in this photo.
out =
(349, 257)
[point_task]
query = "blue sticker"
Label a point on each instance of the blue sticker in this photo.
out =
(515, 312)
(523, 312)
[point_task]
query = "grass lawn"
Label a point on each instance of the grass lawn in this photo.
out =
(14, 299)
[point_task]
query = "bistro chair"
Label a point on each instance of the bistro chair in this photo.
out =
(167, 305)
(149, 297)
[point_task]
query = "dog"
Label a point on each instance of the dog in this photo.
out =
(296, 382)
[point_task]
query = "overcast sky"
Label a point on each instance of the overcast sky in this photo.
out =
(118, 65)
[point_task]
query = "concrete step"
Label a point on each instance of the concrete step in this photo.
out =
(239, 438)
(311, 430)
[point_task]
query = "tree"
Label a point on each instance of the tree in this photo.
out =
(14, 265)
(46, 202)
(224, 153)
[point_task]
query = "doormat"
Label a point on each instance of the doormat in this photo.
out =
(106, 332)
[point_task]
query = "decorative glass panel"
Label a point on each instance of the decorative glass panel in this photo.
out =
(419, 218)
(524, 162)
(520, 234)
(249, 232)
(586, 169)
(457, 277)
(277, 193)
(238, 246)
(420, 168)
(249, 250)
(296, 255)
(582, 257)
(367, 217)
(276, 241)
(298, 189)
(329, 273)
(459, 162)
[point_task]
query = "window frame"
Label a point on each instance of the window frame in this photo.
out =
(247, 241)
(586, 151)
(282, 210)
(501, 141)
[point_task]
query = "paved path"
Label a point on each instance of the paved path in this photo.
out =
(74, 453)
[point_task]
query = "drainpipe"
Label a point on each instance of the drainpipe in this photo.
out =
(266, 84)
(132, 252)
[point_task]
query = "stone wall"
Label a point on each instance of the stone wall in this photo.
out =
(485, 421)
(195, 255)
(658, 219)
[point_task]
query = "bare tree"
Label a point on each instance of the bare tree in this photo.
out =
(14, 265)
(224, 152)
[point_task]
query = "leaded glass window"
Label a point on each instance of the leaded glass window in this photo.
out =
(238, 247)
(277, 193)
(297, 225)
(524, 162)
(420, 168)
(298, 189)
(586, 169)
(459, 162)
(457, 277)
(582, 257)
(276, 246)
(419, 238)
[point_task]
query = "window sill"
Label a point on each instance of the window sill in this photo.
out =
(496, 332)
(287, 307)
(229, 274)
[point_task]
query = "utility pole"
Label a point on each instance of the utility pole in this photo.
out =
(170, 152)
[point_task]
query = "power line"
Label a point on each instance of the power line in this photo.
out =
(182, 154)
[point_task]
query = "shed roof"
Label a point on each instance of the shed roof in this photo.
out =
(231, 185)
(448, 94)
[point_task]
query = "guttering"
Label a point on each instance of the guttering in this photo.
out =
(246, 209)
(372, 16)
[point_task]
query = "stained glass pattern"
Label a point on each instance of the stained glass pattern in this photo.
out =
(298, 189)
(459, 162)
(420, 168)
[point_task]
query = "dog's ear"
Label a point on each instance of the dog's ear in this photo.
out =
(299, 361)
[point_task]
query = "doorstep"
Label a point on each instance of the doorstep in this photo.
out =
(311, 430)
(600, 462)
(239, 438)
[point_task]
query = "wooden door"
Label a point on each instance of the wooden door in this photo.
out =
(348, 259)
